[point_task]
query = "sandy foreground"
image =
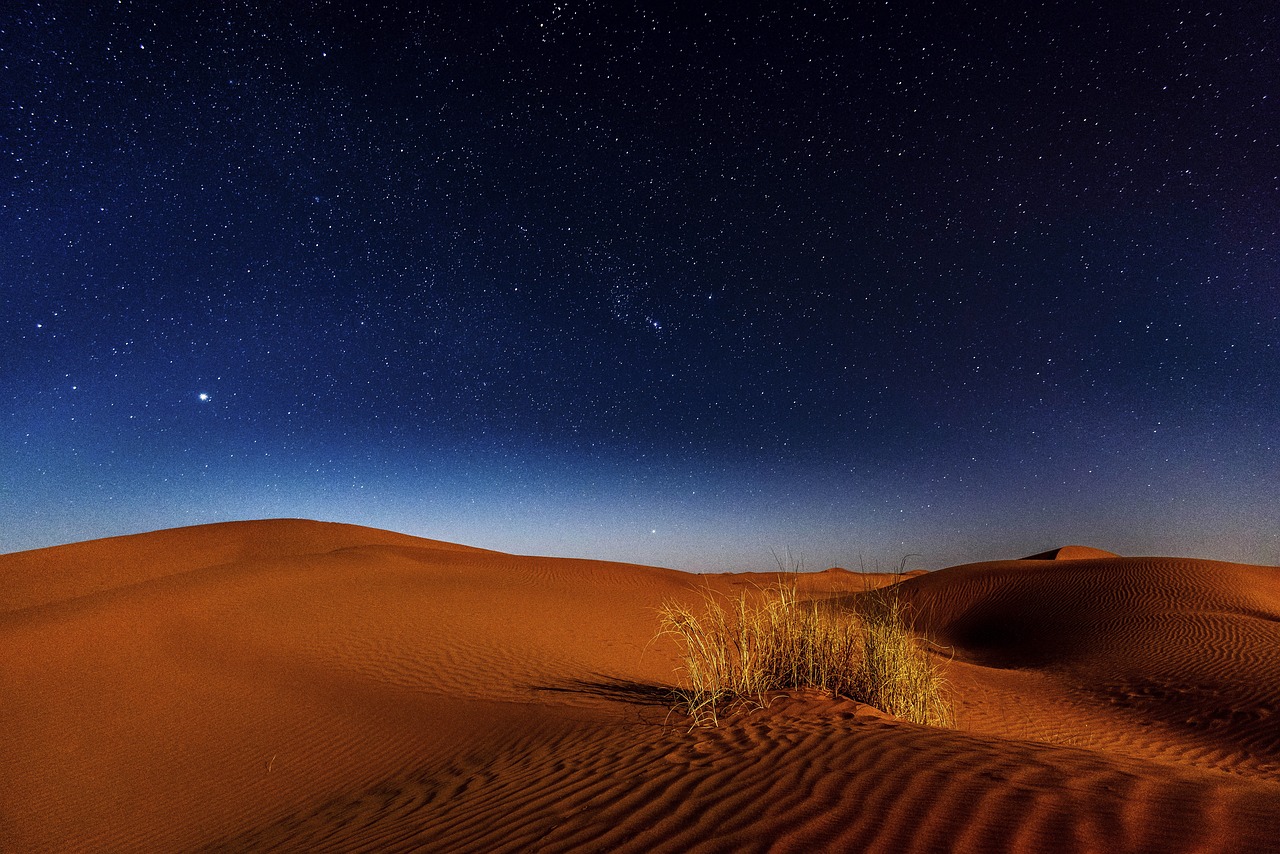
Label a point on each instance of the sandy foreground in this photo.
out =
(305, 686)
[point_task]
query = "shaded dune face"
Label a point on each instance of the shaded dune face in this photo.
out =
(1181, 651)
(300, 686)
(1072, 553)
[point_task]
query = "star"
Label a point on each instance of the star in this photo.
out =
(204, 397)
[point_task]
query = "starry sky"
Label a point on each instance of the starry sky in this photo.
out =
(693, 285)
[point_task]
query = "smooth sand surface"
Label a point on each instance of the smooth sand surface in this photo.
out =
(302, 686)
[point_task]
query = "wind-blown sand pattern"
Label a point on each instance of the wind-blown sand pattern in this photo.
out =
(301, 686)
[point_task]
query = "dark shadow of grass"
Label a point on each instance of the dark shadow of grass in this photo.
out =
(616, 690)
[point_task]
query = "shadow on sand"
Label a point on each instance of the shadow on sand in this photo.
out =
(617, 690)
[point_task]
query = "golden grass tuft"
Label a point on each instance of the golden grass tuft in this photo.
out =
(736, 650)
(896, 674)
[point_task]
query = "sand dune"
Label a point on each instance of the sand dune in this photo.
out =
(300, 686)
(1152, 657)
(1072, 553)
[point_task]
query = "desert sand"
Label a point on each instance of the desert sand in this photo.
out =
(301, 686)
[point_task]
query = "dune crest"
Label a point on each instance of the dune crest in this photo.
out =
(301, 686)
(60, 573)
(1072, 553)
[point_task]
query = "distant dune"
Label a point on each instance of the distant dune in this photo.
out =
(1071, 553)
(301, 686)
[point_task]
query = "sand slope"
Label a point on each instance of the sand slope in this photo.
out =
(1154, 657)
(300, 686)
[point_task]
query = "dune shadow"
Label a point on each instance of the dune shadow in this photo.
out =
(617, 690)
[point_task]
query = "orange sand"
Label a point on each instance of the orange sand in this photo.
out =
(300, 686)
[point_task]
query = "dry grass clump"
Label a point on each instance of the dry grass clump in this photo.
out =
(737, 650)
(896, 673)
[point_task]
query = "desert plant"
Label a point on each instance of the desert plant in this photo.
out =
(707, 663)
(897, 674)
(736, 650)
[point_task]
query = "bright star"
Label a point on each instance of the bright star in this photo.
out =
(204, 396)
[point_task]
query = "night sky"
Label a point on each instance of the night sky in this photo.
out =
(688, 287)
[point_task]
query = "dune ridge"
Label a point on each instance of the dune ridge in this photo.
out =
(59, 573)
(288, 685)
(1072, 553)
